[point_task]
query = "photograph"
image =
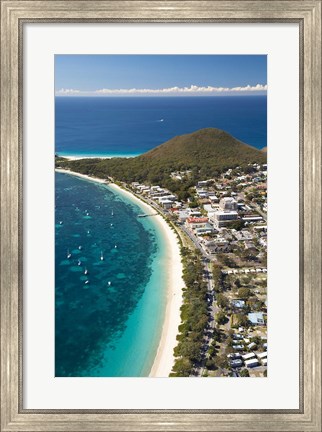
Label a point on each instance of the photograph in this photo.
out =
(160, 228)
(161, 215)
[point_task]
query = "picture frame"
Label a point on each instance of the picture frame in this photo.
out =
(14, 14)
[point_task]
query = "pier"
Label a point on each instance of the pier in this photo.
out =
(147, 215)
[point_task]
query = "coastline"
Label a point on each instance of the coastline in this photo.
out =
(164, 359)
(79, 157)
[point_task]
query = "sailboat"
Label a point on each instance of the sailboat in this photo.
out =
(102, 256)
(68, 254)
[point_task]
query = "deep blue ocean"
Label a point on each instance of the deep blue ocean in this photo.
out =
(128, 126)
(110, 326)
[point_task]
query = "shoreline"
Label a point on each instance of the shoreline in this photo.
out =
(164, 359)
(79, 157)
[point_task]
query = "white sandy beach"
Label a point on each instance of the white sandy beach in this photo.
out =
(164, 359)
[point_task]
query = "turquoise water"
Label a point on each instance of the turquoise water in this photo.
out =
(110, 326)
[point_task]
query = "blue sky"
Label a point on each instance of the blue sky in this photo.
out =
(144, 75)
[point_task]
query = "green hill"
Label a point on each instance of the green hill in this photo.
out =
(204, 148)
(206, 152)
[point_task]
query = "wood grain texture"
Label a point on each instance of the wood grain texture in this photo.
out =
(13, 15)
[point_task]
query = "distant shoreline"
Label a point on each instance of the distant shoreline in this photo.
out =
(164, 359)
(79, 157)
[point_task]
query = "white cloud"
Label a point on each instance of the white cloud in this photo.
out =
(189, 90)
(67, 92)
(192, 90)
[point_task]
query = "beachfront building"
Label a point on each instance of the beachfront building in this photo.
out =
(193, 223)
(166, 203)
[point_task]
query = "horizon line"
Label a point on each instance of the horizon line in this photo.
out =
(193, 90)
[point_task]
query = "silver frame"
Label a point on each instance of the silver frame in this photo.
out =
(13, 16)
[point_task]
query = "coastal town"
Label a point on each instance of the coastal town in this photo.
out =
(223, 235)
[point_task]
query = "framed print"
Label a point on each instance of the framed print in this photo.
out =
(160, 215)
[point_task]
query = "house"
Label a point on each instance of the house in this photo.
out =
(236, 363)
(209, 209)
(183, 215)
(237, 336)
(217, 245)
(238, 303)
(202, 193)
(196, 222)
(251, 363)
(234, 356)
(213, 198)
(166, 203)
(242, 235)
(262, 355)
(238, 347)
(202, 183)
(252, 345)
(264, 361)
(248, 356)
(256, 318)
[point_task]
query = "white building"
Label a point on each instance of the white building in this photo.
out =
(248, 356)
(251, 363)
(228, 204)
(222, 218)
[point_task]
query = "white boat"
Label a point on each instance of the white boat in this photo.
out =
(79, 263)
(80, 247)
(87, 282)
(115, 246)
(109, 283)
(161, 120)
(85, 271)
(111, 225)
(112, 214)
(68, 254)
(60, 222)
(102, 256)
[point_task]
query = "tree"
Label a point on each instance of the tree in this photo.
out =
(217, 277)
(221, 318)
(222, 301)
(240, 320)
(221, 361)
(237, 283)
(244, 373)
(244, 293)
(182, 368)
(238, 225)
